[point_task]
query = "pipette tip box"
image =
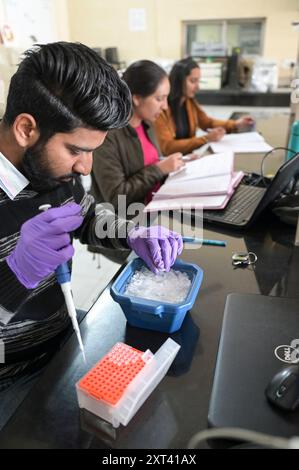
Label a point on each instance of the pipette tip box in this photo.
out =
(155, 314)
(116, 387)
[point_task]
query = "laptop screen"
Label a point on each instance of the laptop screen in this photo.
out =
(286, 173)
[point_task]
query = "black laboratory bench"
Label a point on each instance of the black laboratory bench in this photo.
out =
(239, 97)
(49, 416)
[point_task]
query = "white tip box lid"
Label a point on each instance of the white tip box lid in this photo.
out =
(138, 390)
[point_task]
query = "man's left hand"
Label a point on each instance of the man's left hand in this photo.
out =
(157, 246)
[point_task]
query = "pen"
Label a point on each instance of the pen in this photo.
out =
(204, 241)
(186, 158)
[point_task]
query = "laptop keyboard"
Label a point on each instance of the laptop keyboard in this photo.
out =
(242, 199)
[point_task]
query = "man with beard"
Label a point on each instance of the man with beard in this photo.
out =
(62, 101)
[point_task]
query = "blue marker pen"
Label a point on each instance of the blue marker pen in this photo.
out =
(204, 241)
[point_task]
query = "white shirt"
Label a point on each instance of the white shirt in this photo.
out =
(11, 180)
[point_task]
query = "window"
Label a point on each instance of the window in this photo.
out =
(220, 37)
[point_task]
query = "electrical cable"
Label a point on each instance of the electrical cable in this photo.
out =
(254, 179)
(267, 155)
(244, 435)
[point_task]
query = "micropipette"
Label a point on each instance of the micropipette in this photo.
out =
(63, 276)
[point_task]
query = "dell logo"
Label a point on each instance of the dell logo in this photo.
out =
(288, 353)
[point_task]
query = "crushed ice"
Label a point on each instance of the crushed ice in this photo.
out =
(172, 286)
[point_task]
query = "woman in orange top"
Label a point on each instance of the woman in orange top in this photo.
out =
(176, 126)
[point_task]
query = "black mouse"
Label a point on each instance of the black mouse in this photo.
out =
(283, 389)
(287, 209)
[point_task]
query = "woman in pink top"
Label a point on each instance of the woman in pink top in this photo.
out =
(129, 162)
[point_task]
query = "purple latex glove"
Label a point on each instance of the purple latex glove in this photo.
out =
(44, 244)
(156, 245)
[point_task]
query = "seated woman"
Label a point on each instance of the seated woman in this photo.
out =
(176, 126)
(128, 161)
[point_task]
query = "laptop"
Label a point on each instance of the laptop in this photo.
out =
(238, 115)
(248, 201)
(249, 355)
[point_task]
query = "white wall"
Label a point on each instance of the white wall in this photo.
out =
(104, 23)
(10, 56)
(31, 13)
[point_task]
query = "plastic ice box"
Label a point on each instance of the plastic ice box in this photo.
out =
(153, 314)
(116, 387)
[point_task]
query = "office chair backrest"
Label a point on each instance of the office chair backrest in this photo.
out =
(111, 55)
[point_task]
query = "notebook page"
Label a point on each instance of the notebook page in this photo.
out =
(205, 167)
(245, 142)
(243, 137)
(199, 202)
(241, 147)
(214, 185)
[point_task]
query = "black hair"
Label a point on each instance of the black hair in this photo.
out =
(67, 85)
(177, 77)
(143, 77)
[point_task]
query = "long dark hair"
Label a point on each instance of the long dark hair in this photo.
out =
(67, 85)
(143, 77)
(177, 77)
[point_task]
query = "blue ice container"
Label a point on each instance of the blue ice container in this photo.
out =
(154, 314)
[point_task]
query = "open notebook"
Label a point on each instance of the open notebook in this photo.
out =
(246, 142)
(195, 202)
(207, 183)
(219, 164)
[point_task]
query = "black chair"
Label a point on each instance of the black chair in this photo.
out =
(111, 55)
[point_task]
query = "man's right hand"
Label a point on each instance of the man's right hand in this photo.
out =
(44, 244)
(215, 134)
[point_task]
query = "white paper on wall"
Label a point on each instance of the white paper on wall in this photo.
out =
(137, 19)
(32, 21)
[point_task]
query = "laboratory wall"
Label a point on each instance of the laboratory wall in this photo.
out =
(44, 12)
(105, 23)
(30, 21)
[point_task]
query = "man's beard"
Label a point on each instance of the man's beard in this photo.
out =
(36, 169)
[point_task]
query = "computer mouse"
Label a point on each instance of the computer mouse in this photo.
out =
(287, 209)
(283, 389)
